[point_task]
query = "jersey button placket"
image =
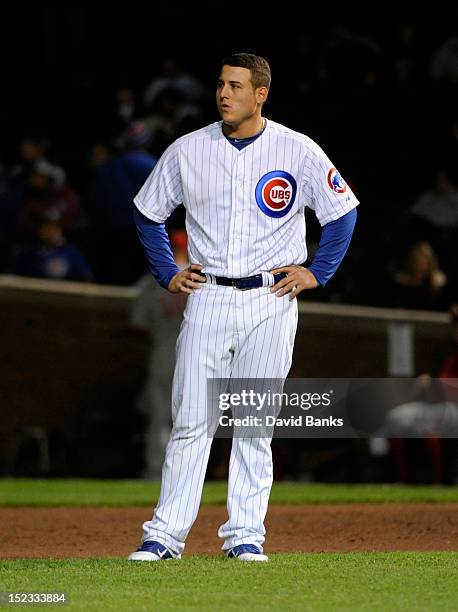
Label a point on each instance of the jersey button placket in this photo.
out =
(233, 258)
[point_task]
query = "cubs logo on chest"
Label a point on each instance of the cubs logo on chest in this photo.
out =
(275, 193)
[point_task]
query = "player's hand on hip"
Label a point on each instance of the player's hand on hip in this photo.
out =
(298, 279)
(188, 280)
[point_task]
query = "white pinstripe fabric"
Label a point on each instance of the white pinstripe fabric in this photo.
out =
(228, 233)
(225, 333)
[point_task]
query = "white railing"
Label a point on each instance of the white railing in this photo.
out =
(19, 283)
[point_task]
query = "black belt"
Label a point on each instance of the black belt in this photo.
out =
(248, 282)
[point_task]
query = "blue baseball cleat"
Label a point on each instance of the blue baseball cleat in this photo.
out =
(247, 552)
(150, 550)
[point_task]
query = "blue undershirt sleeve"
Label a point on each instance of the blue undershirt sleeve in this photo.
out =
(335, 239)
(155, 240)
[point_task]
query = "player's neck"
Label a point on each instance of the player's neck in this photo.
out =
(246, 129)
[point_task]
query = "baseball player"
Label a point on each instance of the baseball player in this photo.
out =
(244, 182)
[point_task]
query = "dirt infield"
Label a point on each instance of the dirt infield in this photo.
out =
(113, 532)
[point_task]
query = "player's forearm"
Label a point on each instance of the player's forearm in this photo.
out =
(155, 240)
(335, 239)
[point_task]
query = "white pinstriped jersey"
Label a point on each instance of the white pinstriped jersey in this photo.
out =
(245, 209)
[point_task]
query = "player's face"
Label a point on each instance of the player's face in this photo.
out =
(236, 98)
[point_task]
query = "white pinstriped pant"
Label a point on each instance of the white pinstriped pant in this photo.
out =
(226, 333)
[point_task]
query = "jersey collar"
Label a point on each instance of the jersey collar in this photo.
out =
(241, 143)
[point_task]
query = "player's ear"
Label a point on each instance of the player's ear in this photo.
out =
(261, 94)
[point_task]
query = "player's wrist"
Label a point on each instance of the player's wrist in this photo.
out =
(315, 275)
(171, 276)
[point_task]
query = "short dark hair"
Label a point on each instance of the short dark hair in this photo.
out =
(258, 66)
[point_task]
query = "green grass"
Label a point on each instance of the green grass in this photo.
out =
(351, 581)
(29, 492)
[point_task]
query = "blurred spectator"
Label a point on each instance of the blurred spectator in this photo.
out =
(97, 154)
(122, 110)
(119, 179)
(159, 313)
(116, 253)
(434, 218)
(125, 105)
(173, 77)
(421, 284)
(439, 208)
(45, 193)
(32, 151)
(170, 118)
(51, 256)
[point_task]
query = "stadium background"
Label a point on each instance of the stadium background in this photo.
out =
(378, 94)
(377, 88)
